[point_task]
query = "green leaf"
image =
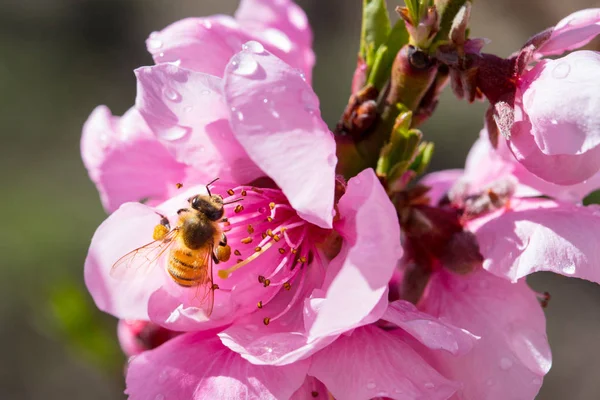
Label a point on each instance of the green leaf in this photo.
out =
(384, 59)
(450, 10)
(375, 28)
(592, 198)
(413, 7)
(397, 154)
(423, 158)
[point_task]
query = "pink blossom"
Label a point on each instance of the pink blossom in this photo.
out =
(136, 337)
(556, 127)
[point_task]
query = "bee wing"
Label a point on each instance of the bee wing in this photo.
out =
(141, 260)
(203, 294)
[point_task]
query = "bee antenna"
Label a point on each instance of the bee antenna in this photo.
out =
(210, 183)
(234, 201)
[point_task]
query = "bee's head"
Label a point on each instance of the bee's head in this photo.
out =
(211, 206)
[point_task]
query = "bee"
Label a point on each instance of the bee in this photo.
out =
(195, 243)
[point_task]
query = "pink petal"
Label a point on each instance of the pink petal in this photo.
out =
(125, 160)
(311, 389)
(275, 117)
(573, 80)
(356, 281)
(440, 183)
(284, 26)
(433, 333)
(512, 356)
(540, 235)
(116, 236)
(372, 362)
(572, 32)
(186, 111)
(197, 366)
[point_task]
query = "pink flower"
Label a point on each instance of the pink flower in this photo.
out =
(517, 233)
(556, 130)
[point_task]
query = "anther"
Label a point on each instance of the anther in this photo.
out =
(293, 250)
(276, 238)
(269, 219)
(237, 252)
(250, 229)
(264, 235)
(257, 249)
(266, 320)
(238, 209)
(314, 393)
(224, 273)
(281, 250)
(244, 192)
(269, 232)
(246, 240)
(267, 282)
(239, 260)
(302, 259)
(179, 185)
(230, 192)
(261, 279)
(271, 205)
(259, 305)
(287, 286)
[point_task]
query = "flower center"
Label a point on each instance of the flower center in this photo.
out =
(269, 240)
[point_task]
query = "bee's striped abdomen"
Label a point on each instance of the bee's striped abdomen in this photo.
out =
(188, 267)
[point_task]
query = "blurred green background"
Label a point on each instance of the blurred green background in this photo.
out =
(61, 58)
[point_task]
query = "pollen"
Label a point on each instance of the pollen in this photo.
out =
(238, 209)
(250, 229)
(260, 304)
(237, 252)
(230, 192)
(246, 240)
(266, 320)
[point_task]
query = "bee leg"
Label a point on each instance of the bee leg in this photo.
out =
(215, 258)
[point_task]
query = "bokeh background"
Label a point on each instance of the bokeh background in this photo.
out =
(61, 58)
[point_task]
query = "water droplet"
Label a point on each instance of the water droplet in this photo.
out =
(207, 24)
(303, 76)
(371, 385)
(569, 269)
(159, 396)
(275, 114)
(278, 39)
(561, 70)
(253, 47)
(269, 349)
(240, 115)
(161, 55)
(244, 65)
(175, 132)
(429, 385)
(171, 94)
(505, 363)
(331, 160)
(162, 377)
(265, 100)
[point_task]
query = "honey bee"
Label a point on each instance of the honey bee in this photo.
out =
(196, 242)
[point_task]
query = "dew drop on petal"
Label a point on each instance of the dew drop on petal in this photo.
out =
(429, 385)
(561, 70)
(244, 66)
(569, 269)
(268, 349)
(175, 132)
(265, 100)
(253, 47)
(171, 94)
(505, 363)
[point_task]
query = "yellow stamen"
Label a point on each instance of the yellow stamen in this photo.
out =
(224, 273)
(230, 192)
